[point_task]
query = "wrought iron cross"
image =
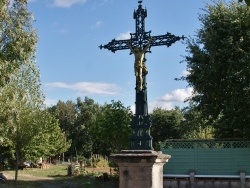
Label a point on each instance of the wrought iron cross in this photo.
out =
(140, 43)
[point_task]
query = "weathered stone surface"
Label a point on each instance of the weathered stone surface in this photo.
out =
(140, 168)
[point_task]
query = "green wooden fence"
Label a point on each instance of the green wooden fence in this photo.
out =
(207, 157)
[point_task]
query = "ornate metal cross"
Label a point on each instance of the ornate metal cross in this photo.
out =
(140, 43)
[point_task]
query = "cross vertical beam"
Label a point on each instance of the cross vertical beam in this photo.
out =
(140, 43)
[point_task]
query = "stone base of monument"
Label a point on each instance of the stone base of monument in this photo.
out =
(140, 168)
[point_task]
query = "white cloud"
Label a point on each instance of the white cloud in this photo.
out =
(101, 3)
(98, 88)
(132, 107)
(170, 100)
(123, 36)
(63, 31)
(97, 25)
(67, 3)
(159, 104)
(50, 102)
(185, 73)
(59, 28)
(177, 95)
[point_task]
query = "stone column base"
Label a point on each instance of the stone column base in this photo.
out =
(140, 168)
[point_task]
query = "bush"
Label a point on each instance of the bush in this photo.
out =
(102, 163)
(98, 161)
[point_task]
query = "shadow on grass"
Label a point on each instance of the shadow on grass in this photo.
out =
(61, 181)
(59, 176)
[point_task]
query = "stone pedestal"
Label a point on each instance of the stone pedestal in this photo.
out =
(140, 168)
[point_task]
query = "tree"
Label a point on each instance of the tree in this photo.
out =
(17, 38)
(28, 131)
(92, 127)
(246, 1)
(19, 99)
(20, 92)
(219, 64)
(194, 125)
(77, 121)
(65, 112)
(22, 124)
(81, 136)
(47, 139)
(112, 127)
(165, 125)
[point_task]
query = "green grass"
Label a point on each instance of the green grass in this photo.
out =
(56, 177)
(55, 170)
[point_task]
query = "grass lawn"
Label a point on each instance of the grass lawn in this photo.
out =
(56, 177)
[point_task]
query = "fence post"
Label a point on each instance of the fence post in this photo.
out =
(191, 179)
(242, 180)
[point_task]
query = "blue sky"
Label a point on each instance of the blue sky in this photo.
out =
(72, 65)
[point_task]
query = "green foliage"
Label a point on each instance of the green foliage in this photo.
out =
(56, 176)
(24, 129)
(102, 163)
(113, 127)
(66, 113)
(219, 64)
(76, 120)
(38, 134)
(93, 128)
(98, 162)
(166, 125)
(17, 38)
(19, 81)
(19, 99)
(86, 112)
(48, 139)
(246, 1)
(194, 125)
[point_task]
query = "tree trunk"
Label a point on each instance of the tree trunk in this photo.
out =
(16, 168)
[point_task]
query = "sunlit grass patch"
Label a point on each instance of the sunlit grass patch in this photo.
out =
(56, 176)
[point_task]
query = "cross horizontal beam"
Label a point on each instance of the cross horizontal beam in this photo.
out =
(160, 40)
(167, 39)
(115, 45)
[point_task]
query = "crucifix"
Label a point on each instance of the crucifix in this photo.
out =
(139, 44)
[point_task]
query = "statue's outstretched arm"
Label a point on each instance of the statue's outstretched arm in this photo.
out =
(130, 47)
(148, 45)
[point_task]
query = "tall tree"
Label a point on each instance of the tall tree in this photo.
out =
(20, 90)
(17, 37)
(82, 139)
(113, 127)
(19, 99)
(66, 113)
(194, 125)
(219, 64)
(46, 138)
(166, 125)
